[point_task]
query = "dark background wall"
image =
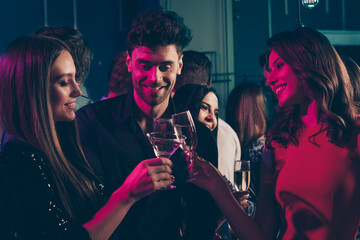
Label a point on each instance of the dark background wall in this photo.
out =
(256, 21)
(103, 23)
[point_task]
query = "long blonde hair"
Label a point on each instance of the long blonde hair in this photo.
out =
(26, 114)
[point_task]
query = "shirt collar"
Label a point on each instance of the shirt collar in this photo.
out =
(130, 105)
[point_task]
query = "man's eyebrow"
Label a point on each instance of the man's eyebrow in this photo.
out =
(143, 61)
(167, 62)
(149, 62)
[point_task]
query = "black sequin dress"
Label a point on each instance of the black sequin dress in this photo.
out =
(29, 198)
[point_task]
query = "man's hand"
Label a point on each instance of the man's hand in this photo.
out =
(148, 176)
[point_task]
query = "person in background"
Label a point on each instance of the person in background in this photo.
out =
(47, 186)
(353, 70)
(202, 103)
(196, 70)
(246, 114)
(309, 174)
(113, 131)
(81, 52)
(119, 77)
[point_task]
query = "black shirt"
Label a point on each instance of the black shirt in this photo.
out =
(114, 144)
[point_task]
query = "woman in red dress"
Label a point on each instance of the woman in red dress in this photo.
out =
(310, 182)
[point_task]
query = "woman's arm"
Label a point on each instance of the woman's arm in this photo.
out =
(264, 225)
(148, 176)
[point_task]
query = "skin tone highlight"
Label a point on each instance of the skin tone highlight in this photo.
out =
(63, 89)
(209, 111)
(154, 73)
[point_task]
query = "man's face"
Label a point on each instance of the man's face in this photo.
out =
(154, 73)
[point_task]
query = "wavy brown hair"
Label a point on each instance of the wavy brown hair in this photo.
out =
(26, 114)
(353, 70)
(246, 112)
(323, 75)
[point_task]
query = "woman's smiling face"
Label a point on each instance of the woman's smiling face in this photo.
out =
(63, 88)
(209, 111)
(283, 82)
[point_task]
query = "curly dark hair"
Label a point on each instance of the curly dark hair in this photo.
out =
(79, 48)
(323, 76)
(158, 27)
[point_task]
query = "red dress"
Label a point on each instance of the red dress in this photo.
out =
(317, 185)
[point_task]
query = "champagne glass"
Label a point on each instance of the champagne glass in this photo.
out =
(164, 145)
(242, 175)
(184, 126)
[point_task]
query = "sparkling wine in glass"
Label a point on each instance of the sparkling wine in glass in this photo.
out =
(164, 145)
(184, 126)
(242, 175)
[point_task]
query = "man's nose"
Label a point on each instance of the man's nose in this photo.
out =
(154, 74)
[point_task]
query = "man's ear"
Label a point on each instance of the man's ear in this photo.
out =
(180, 64)
(128, 61)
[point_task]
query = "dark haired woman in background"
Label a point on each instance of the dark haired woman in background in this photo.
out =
(203, 105)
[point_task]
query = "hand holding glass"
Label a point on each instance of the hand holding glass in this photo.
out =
(164, 140)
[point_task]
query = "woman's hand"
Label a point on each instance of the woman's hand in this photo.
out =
(148, 176)
(206, 176)
(242, 198)
(203, 174)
